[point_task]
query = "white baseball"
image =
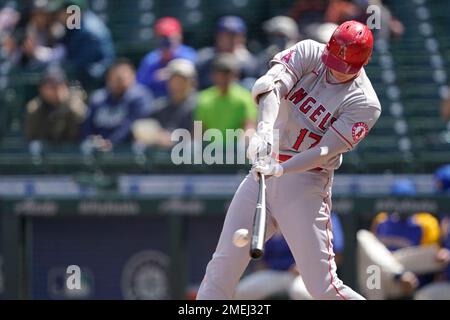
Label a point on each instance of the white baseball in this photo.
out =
(240, 238)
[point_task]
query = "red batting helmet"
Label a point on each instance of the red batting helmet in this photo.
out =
(349, 48)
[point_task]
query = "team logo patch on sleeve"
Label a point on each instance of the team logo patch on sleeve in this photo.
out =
(359, 131)
(287, 57)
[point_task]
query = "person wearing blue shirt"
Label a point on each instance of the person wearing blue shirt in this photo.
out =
(169, 32)
(88, 50)
(114, 109)
(277, 273)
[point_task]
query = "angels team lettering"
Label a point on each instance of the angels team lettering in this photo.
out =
(308, 105)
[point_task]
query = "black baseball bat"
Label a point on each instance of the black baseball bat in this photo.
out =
(259, 222)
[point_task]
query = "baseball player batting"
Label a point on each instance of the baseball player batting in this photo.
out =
(321, 102)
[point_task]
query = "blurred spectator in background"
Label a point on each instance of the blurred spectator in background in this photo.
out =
(57, 113)
(444, 136)
(174, 111)
(442, 179)
(276, 274)
(88, 50)
(38, 46)
(339, 11)
(445, 108)
(9, 18)
(230, 38)
(390, 27)
(307, 12)
(113, 110)
(312, 14)
(321, 32)
(439, 290)
(445, 231)
(282, 33)
(317, 20)
(226, 105)
(26, 36)
(169, 37)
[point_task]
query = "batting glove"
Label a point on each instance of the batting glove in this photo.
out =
(267, 167)
(260, 145)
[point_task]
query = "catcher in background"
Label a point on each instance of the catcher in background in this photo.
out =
(408, 250)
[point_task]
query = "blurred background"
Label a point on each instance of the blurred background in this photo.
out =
(91, 90)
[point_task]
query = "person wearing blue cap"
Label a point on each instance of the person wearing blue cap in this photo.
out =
(230, 38)
(169, 39)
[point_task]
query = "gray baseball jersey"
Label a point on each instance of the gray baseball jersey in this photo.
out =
(315, 104)
(299, 204)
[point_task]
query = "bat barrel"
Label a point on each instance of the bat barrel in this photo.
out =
(259, 223)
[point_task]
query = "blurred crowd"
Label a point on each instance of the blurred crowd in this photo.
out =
(89, 96)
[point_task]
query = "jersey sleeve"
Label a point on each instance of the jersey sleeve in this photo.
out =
(300, 58)
(355, 121)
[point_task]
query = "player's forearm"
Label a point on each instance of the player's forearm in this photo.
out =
(306, 160)
(330, 147)
(269, 106)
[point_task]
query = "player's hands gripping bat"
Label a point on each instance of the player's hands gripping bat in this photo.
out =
(266, 166)
(260, 145)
